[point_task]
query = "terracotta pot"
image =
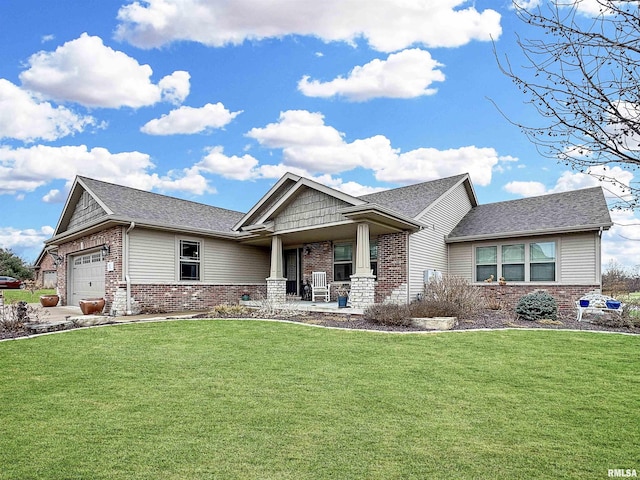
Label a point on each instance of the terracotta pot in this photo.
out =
(91, 306)
(49, 300)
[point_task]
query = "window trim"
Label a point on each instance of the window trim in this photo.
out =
(374, 261)
(191, 260)
(527, 260)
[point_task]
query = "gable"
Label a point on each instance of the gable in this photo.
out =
(85, 211)
(309, 208)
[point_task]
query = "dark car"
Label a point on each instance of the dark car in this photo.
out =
(10, 282)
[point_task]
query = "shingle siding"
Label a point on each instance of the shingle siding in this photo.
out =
(310, 208)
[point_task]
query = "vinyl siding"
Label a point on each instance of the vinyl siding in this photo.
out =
(427, 249)
(577, 257)
(153, 260)
(461, 260)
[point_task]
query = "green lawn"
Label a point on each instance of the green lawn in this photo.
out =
(17, 295)
(230, 399)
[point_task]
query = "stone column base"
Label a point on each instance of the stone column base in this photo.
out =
(362, 292)
(276, 290)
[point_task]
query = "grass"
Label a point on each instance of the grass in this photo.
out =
(246, 399)
(26, 295)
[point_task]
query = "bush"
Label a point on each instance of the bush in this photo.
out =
(450, 296)
(537, 306)
(388, 314)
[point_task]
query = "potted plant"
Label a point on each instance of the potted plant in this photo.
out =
(245, 296)
(49, 300)
(91, 306)
(343, 296)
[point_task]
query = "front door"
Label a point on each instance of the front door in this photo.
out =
(291, 271)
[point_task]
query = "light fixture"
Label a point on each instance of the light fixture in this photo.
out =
(307, 250)
(57, 259)
(105, 250)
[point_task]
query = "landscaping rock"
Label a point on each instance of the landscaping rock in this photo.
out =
(435, 323)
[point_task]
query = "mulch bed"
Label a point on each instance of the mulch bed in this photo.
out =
(487, 319)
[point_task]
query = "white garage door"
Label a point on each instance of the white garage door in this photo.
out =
(87, 277)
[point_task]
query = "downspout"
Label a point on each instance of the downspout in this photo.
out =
(127, 278)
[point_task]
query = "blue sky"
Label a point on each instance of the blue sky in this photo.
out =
(213, 101)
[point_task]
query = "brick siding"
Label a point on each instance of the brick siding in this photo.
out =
(565, 295)
(177, 297)
(392, 265)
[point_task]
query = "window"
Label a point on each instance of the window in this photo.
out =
(517, 262)
(373, 256)
(343, 260)
(189, 260)
(513, 262)
(486, 263)
(543, 262)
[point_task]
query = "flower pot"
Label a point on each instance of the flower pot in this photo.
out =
(342, 302)
(584, 303)
(91, 306)
(49, 300)
(613, 304)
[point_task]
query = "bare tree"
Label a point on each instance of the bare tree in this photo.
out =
(582, 74)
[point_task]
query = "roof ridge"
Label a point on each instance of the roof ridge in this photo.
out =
(544, 195)
(459, 175)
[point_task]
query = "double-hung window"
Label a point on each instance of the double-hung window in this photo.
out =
(486, 263)
(543, 261)
(342, 262)
(343, 254)
(517, 262)
(189, 260)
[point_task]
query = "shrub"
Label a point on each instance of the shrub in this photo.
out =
(388, 314)
(537, 306)
(450, 296)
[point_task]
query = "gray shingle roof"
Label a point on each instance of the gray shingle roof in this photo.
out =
(147, 207)
(566, 211)
(413, 199)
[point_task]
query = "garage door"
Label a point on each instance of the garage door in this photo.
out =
(87, 277)
(49, 279)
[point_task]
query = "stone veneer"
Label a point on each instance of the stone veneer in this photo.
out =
(277, 290)
(508, 295)
(362, 291)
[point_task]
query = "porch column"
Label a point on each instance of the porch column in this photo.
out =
(362, 281)
(276, 283)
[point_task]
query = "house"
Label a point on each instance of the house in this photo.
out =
(145, 251)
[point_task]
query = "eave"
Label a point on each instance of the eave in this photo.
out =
(529, 233)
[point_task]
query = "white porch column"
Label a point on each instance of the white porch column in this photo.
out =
(363, 255)
(276, 283)
(362, 281)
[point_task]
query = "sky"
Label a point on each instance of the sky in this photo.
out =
(213, 101)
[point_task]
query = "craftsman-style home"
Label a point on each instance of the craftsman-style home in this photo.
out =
(145, 251)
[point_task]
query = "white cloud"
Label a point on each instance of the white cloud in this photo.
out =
(386, 26)
(526, 189)
(234, 167)
(87, 72)
(25, 169)
(189, 120)
(309, 144)
(407, 74)
(23, 117)
(18, 240)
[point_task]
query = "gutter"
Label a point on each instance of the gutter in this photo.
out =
(529, 233)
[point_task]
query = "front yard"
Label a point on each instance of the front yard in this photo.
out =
(237, 399)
